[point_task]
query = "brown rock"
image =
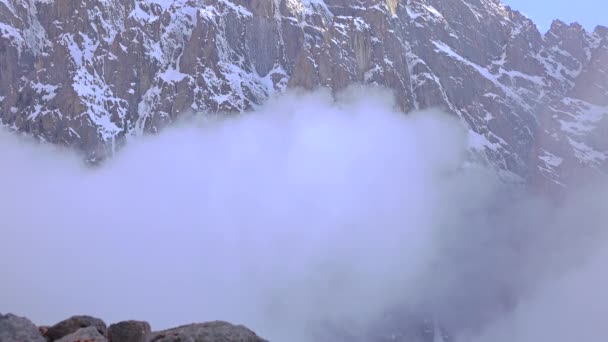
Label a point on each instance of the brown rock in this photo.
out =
(73, 324)
(129, 331)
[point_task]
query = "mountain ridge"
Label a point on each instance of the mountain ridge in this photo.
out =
(535, 104)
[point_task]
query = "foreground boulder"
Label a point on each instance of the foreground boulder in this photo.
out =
(18, 329)
(208, 332)
(73, 324)
(88, 334)
(129, 331)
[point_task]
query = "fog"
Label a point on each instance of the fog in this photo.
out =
(307, 213)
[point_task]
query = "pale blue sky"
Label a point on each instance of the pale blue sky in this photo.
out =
(588, 13)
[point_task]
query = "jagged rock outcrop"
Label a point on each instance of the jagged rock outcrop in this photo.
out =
(90, 74)
(87, 328)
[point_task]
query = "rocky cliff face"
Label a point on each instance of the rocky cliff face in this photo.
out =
(92, 74)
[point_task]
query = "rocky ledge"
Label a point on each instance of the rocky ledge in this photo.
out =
(90, 329)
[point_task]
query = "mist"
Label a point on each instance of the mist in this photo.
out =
(310, 211)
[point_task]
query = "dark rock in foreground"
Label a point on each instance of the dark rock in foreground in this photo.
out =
(73, 324)
(91, 329)
(129, 331)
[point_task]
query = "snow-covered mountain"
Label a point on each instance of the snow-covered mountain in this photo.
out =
(91, 74)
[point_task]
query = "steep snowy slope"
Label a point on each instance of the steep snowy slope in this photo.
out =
(91, 74)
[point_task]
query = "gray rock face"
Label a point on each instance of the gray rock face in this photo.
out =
(73, 324)
(129, 331)
(574, 140)
(208, 332)
(88, 74)
(89, 334)
(18, 329)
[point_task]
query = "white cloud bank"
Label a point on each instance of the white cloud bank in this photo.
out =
(307, 211)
